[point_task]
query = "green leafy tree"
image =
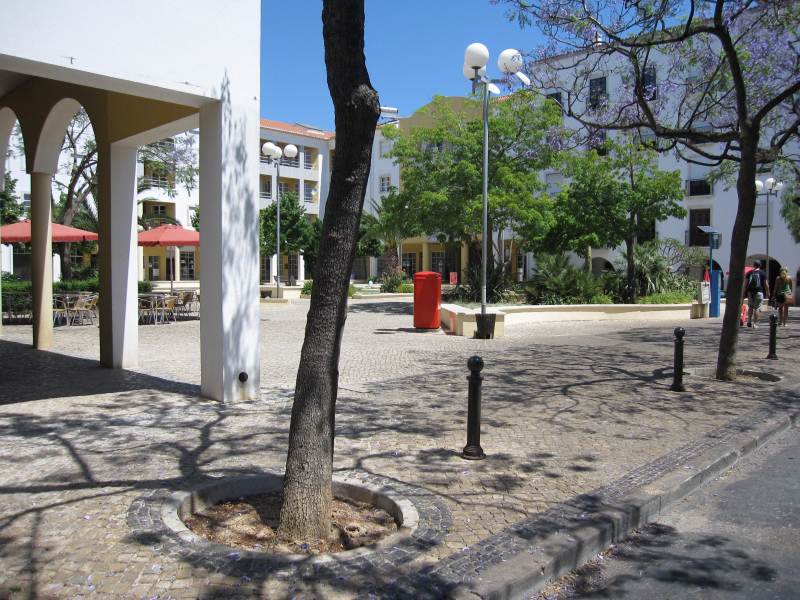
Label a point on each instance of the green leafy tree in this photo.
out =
(390, 225)
(296, 229)
(195, 218)
(11, 210)
(441, 167)
(611, 198)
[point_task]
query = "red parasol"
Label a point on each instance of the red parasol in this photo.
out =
(21, 233)
(169, 235)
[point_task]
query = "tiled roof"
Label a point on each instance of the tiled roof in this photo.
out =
(296, 129)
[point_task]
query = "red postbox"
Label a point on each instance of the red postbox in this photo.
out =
(427, 296)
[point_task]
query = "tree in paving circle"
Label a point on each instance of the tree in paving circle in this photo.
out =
(306, 509)
(714, 80)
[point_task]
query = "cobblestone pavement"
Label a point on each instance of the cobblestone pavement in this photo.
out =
(568, 407)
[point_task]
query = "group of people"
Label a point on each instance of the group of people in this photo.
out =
(757, 288)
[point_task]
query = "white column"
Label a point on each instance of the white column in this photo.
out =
(176, 258)
(229, 310)
(273, 268)
(373, 267)
(301, 191)
(41, 260)
(301, 267)
(119, 257)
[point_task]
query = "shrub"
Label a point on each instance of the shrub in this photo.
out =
(308, 286)
(555, 281)
(499, 288)
(391, 281)
(667, 298)
(66, 286)
(601, 299)
(406, 288)
(351, 291)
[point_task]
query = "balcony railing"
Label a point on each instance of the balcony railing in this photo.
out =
(265, 195)
(155, 182)
(699, 187)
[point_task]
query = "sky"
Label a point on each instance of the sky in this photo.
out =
(414, 50)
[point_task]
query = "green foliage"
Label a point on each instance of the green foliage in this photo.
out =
(610, 199)
(296, 230)
(667, 298)
(406, 288)
(391, 223)
(368, 244)
(556, 281)
(11, 210)
(441, 166)
(391, 281)
(790, 211)
(308, 287)
(195, 218)
(601, 299)
(654, 274)
(351, 291)
(311, 250)
(498, 286)
(66, 286)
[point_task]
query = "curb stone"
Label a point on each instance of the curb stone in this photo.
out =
(566, 544)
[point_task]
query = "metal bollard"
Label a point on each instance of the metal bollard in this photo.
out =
(677, 375)
(773, 337)
(473, 450)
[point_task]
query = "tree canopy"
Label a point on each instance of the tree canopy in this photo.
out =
(11, 210)
(441, 166)
(296, 229)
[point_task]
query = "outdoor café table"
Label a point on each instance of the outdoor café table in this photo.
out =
(152, 303)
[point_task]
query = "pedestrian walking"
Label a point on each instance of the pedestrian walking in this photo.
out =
(756, 290)
(784, 295)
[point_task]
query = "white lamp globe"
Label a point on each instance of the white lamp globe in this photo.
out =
(267, 149)
(277, 152)
(770, 183)
(759, 185)
(476, 55)
(290, 151)
(510, 61)
(469, 72)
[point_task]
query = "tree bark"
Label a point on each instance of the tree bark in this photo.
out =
(587, 259)
(306, 509)
(746, 191)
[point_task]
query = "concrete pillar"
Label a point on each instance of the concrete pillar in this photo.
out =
(119, 257)
(176, 257)
(464, 261)
(41, 260)
(273, 268)
(229, 311)
(373, 267)
(301, 191)
(426, 256)
(301, 267)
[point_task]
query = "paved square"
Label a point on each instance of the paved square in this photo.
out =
(568, 407)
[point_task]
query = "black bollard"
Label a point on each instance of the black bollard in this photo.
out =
(773, 337)
(677, 375)
(473, 450)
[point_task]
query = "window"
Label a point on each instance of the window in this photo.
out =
(309, 156)
(293, 267)
(556, 97)
(283, 188)
(698, 216)
(386, 183)
(384, 147)
(308, 193)
(76, 257)
(409, 263)
(438, 262)
(187, 264)
(597, 92)
(153, 266)
(699, 187)
(649, 82)
(266, 189)
(597, 141)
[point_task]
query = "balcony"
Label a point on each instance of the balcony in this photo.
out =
(265, 195)
(699, 187)
(154, 181)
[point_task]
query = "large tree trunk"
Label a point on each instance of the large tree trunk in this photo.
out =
(306, 509)
(587, 259)
(746, 190)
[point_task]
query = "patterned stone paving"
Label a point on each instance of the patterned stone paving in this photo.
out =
(568, 408)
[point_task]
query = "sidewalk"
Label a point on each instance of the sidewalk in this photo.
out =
(568, 408)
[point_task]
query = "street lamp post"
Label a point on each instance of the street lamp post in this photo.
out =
(509, 62)
(274, 153)
(773, 187)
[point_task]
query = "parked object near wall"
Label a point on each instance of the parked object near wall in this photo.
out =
(427, 297)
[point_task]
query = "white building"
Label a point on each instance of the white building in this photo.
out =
(138, 93)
